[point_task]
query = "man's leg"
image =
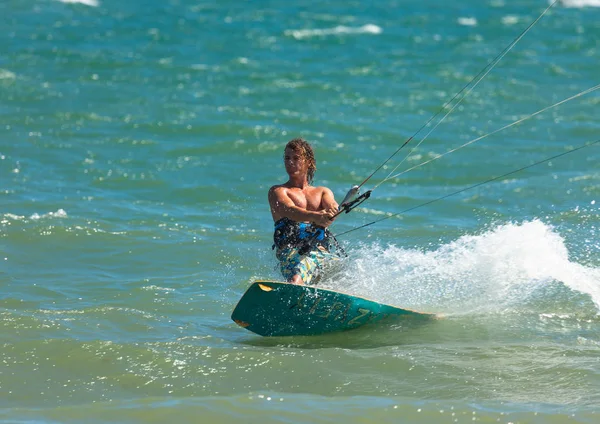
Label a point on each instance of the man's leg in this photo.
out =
(300, 269)
(296, 279)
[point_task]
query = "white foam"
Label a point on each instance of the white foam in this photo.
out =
(495, 271)
(158, 288)
(467, 21)
(8, 217)
(6, 74)
(91, 3)
(338, 30)
(58, 214)
(510, 20)
(579, 3)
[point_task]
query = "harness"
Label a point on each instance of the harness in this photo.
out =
(302, 235)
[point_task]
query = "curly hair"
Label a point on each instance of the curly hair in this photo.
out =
(302, 146)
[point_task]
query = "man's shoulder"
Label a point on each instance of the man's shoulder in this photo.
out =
(322, 189)
(277, 187)
(277, 190)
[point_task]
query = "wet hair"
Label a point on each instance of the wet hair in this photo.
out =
(302, 146)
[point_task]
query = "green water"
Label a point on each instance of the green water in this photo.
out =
(138, 141)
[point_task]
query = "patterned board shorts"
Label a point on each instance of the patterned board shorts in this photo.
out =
(307, 266)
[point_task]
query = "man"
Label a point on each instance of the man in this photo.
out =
(301, 213)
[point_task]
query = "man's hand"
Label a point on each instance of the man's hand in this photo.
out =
(325, 217)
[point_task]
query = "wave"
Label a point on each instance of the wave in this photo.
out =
(503, 269)
(91, 3)
(579, 3)
(338, 30)
(9, 216)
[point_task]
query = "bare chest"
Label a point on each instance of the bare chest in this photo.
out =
(309, 199)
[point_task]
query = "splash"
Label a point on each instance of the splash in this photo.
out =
(499, 270)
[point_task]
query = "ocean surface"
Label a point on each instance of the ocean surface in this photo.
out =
(138, 140)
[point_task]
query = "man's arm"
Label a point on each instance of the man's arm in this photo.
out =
(328, 200)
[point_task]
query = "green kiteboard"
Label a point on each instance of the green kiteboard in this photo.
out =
(272, 308)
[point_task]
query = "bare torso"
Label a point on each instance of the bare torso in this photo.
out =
(309, 198)
(308, 204)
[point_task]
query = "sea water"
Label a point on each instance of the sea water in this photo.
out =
(138, 141)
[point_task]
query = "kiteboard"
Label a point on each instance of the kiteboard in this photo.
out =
(273, 308)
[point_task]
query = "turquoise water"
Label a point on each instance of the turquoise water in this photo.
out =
(137, 144)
